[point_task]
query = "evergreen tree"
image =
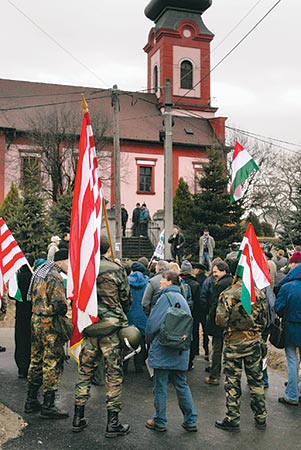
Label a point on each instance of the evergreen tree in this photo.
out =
(60, 213)
(10, 208)
(253, 219)
(182, 205)
(212, 208)
(31, 229)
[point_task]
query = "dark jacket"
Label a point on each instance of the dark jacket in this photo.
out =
(179, 240)
(211, 328)
(195, 292)
(136, 216)
(124, 216)
(288, 306)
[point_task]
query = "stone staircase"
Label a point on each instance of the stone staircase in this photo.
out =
(135, 247)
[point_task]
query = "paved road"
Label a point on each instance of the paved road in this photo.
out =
(283, 431)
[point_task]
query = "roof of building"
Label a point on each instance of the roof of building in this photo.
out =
(156, 7)
(22, 102)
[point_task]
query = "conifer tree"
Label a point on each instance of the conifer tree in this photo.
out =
(212, 208)
(182, 204)
(60, 213)
(31, 229)
(10, 208)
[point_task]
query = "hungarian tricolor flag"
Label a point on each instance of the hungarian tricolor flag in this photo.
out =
(242, 166)
(252, 268)
(11, 257)
(84, 247)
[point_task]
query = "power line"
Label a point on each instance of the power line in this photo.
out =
(236, 26)
(230, 51)
(56, 42)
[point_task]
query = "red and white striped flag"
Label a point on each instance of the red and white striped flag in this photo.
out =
(84, 252)
(11, 256)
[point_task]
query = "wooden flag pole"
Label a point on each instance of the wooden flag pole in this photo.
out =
(84, 104)
(104, 209)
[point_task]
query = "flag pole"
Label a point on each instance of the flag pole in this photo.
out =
(107, 226)
(84, 104)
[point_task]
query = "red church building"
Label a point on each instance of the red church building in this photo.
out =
(178, 48)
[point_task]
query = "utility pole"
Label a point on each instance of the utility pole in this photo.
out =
(168, 187)
(116, 143)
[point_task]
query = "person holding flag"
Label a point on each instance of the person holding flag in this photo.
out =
(48, 298)
(242, 311)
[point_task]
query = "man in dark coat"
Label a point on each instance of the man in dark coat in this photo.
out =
(136, 220)
(186, 275)
(177, 241)
(288, 306)
(124, 218)
(223, 279)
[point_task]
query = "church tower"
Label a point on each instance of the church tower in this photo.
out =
(179, 48)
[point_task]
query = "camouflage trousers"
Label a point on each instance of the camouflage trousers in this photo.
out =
(233, 363)
(90, 357)
(47, 355)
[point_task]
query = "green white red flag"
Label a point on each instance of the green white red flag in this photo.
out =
(242, 166)
(252, 268)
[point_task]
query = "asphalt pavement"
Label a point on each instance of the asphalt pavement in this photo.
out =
(283, 430)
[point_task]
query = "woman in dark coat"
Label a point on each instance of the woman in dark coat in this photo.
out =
(23, 320)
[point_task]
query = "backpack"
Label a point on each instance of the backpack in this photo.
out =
(176, 329)
(186, 292)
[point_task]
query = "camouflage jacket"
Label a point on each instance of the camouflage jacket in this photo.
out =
(48, 295)
(113, 293)
(240, 329)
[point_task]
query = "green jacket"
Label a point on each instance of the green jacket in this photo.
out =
(113, 293)
(240, 329)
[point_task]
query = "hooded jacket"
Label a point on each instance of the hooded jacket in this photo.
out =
(136, 316)
(288, 306)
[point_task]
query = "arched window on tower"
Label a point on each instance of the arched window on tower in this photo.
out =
(186, 75)
(155, 80)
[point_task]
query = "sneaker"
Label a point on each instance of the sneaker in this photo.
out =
(286, 401)
(190, 428)
(260, 424)
(266, 385)
(212, 381)
(227, 425)
(153, 426)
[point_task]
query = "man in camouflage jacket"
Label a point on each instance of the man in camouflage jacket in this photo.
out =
(243, 345)
(48, 300)
(113, 294)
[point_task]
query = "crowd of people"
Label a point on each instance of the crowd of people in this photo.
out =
(138, 295)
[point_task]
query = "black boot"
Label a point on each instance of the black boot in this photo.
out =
(79, 420)
(114, 427)
(49, 410)
(32, 404)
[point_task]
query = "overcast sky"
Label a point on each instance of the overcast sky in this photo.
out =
(257, 87)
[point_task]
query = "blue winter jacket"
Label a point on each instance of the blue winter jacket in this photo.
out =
(160, 357)
(288, 306)
(136, 316)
